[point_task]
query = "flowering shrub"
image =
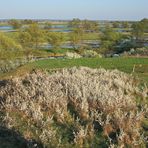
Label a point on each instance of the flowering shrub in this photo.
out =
(90, 53)
(71, 55)
(137, 52)
(71, 107)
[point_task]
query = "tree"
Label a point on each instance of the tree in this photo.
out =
(126, 45)
(55, 39)
(24, 39)
(85, 25)
(94, 26)
(36, 33)
(116, 24)
(145, 24)
(110, 34)
(8, 47)
(109, 39)
(8, 44)
(139, 28)
(75, 23)
(125, 24)
(28, 21)
(76, 37)
(47, 26)
(90, 26)
(137, 31)
(16, 24)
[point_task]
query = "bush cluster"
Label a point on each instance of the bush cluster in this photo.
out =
(90, 54)
(72, 55)
(76, 107)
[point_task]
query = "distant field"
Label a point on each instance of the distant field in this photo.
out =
(124, 64)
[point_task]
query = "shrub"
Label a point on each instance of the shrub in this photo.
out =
(72, 55)
(71, 107)
(90, 53)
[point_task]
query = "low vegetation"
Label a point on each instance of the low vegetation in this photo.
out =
(76, 107)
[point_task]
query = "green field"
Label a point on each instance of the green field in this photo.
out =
(123, 64)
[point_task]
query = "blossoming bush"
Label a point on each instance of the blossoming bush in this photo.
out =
(90, 53)
(72, 55)
(76, 107)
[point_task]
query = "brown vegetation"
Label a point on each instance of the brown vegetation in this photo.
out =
(72, 106)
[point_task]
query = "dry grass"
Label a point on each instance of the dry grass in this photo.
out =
(70, 107)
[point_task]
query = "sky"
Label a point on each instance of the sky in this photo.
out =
(69, 9)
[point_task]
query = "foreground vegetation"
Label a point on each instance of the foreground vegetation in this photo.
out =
(76, 107)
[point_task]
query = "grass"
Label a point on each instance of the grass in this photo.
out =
(123, 64)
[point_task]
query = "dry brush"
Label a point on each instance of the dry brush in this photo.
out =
(72, 106)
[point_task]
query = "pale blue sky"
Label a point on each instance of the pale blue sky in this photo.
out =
(68, 9)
